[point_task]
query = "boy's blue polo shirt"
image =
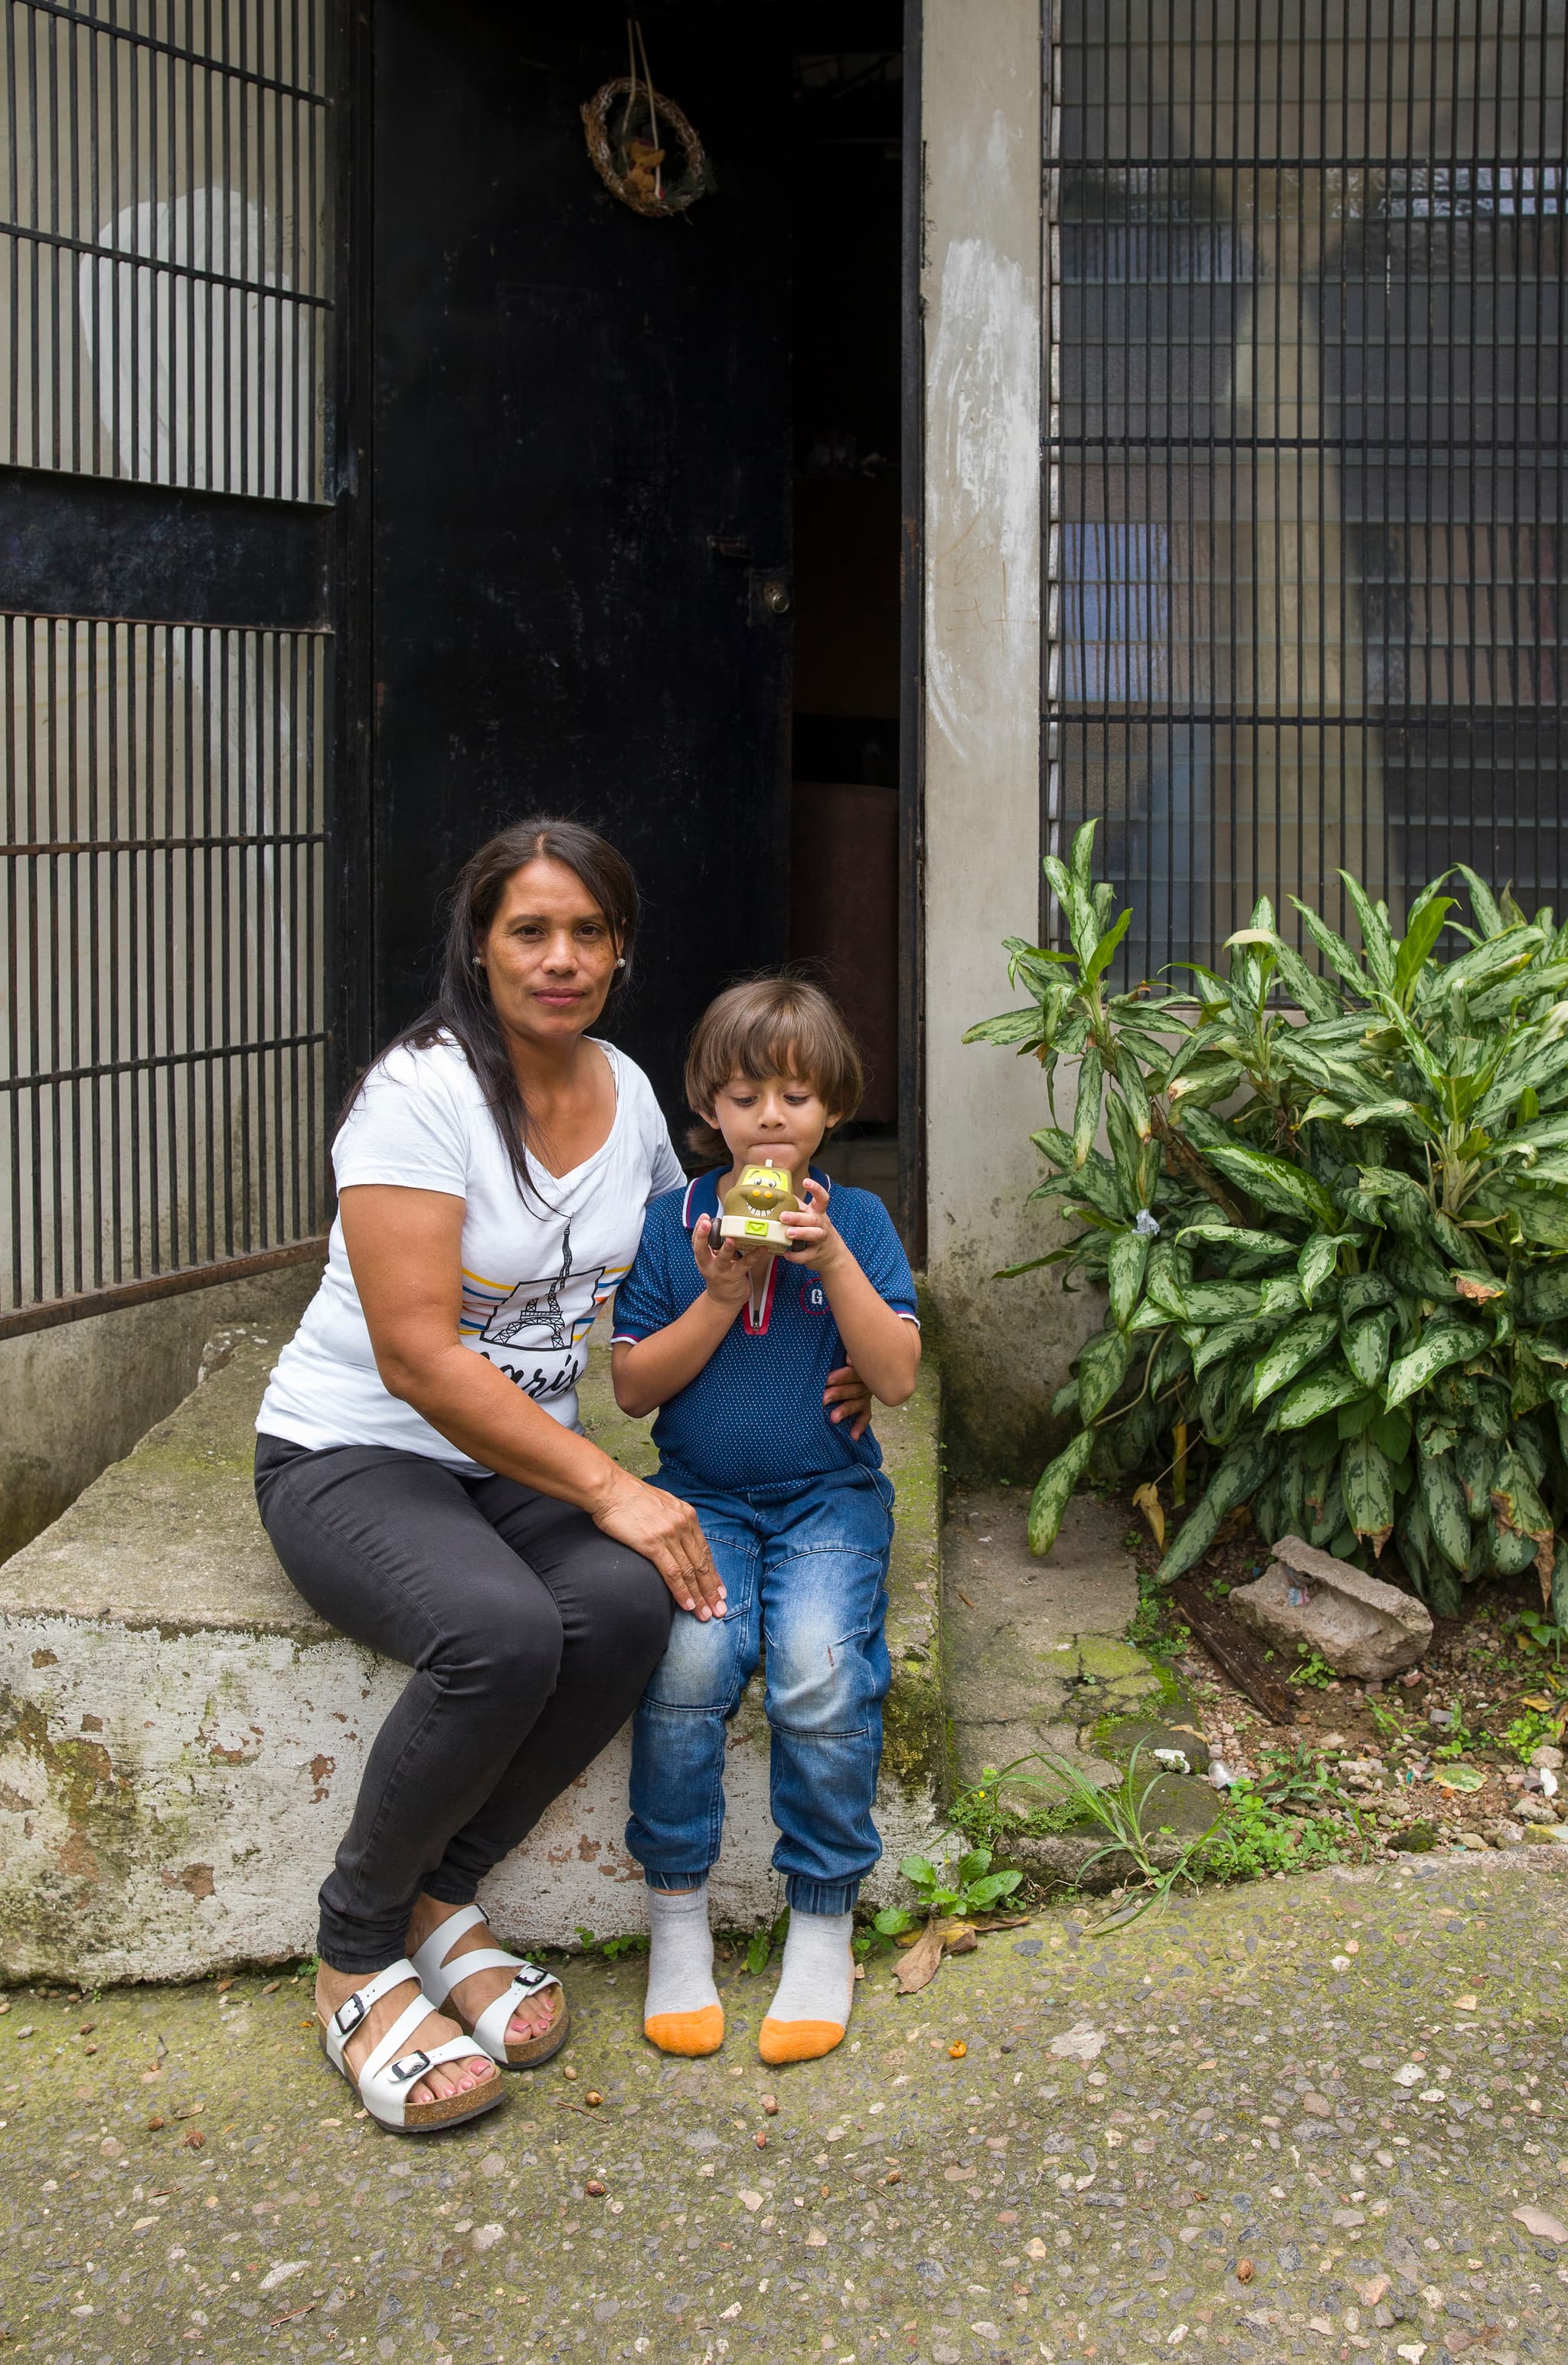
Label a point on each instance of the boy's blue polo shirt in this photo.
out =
(754, 1415)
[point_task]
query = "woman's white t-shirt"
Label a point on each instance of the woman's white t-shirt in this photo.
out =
(536, 1268)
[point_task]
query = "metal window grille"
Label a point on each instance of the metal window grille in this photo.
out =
(165, 323)
(1305, 456)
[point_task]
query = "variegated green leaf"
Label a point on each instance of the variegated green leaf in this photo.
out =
(1447, 1510)
(1320, 1392)
(1291, 1353)
(1367, 1483)
(1273, 1183)
(1128, 1261)
(1366, 1344)
(1221, 1301)
(1054, 1490)
(1011, 1026)
(1086, 1118)
(1318, 1259)
(1441, 1344)
(1102, 1368)
(1238, 1240)
(1279, 1295)
(1226, 1339)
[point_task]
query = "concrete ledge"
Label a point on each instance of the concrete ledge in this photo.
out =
(181, 1738)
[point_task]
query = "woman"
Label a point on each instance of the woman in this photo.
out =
(422, 1478)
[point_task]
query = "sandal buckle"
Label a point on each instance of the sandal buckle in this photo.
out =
(347, 2017)
(412, 2066)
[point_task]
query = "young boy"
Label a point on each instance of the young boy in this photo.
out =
(733, 1346)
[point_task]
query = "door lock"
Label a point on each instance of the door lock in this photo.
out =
(776, 597)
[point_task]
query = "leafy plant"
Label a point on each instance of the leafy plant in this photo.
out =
(1545, 1635)
(1121, 1809)
(763, 1944)
(633, 1942)
(1527, 1733)
(1256, 1838)
(1344, 1299)
(1313, 1673)
(969, 1887)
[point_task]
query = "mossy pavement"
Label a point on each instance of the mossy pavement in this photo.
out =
(1067, 2147)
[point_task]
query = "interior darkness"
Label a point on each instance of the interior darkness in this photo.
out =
(845, 339)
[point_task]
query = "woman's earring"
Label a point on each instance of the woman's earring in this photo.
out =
(621, 962)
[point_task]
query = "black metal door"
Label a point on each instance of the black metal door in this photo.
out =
(582, 455)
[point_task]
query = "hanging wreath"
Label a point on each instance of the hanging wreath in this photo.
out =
(631, 128)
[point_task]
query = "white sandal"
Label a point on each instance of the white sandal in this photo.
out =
(440, 1971)
(385, 2079)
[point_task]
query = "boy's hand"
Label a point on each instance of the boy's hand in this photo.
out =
(812, 1240)
(728, 1270)
(849, 1400)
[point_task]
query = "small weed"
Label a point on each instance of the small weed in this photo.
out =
(635, 1942)
(1121, 1810)
(1528, 1731)
(1459, 1736)
(980, 1814)
(764, 1944)
(1313, 1674)
(971, 1887)
(1544, 1636)
(1256, 1838)
(1392, 1722)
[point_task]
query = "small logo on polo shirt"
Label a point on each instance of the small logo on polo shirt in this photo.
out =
(813, 1296)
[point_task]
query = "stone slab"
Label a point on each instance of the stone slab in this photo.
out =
(1034, 1651)
(1362, 1626)
(181, 1738)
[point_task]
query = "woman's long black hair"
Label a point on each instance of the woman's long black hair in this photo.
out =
(463, 1008)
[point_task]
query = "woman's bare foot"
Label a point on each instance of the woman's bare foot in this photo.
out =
(533, 2015)
(334, 1989)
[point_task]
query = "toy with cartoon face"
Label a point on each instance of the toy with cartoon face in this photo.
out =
(752, 1209)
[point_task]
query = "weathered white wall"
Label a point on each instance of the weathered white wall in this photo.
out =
(1005, 1343)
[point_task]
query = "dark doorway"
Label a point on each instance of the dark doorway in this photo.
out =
(582, 462)
(845, 915)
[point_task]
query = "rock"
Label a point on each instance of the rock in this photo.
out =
(1533, 1808)
(1507, 1833)
(1359, 1624)
(1542, 2224)
(1473, 1842)
(1077, 2045)
(1547, 1757)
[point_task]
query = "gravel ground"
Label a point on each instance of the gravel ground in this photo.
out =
(1293, 2120)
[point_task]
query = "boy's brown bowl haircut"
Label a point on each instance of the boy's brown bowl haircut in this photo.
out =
(770, 1026)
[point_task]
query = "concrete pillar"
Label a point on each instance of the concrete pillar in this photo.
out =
(981, 285)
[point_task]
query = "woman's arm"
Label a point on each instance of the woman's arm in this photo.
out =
(648, 1371)
(883, 1345)
(404, 1251)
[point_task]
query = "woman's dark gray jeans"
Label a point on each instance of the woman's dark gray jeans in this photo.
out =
(529, 1634)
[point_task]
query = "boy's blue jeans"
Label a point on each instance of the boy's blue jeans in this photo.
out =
(805, 1569)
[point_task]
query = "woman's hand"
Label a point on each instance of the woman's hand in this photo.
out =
(848, 1398)
(666, 1531)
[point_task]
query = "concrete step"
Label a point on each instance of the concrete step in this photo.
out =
(180, 1739)
(1039, 1673)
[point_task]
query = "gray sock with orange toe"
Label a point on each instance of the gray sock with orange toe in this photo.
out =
(682, 2013)
(810, 2011)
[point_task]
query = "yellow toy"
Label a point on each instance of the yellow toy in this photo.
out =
(752, 1209)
